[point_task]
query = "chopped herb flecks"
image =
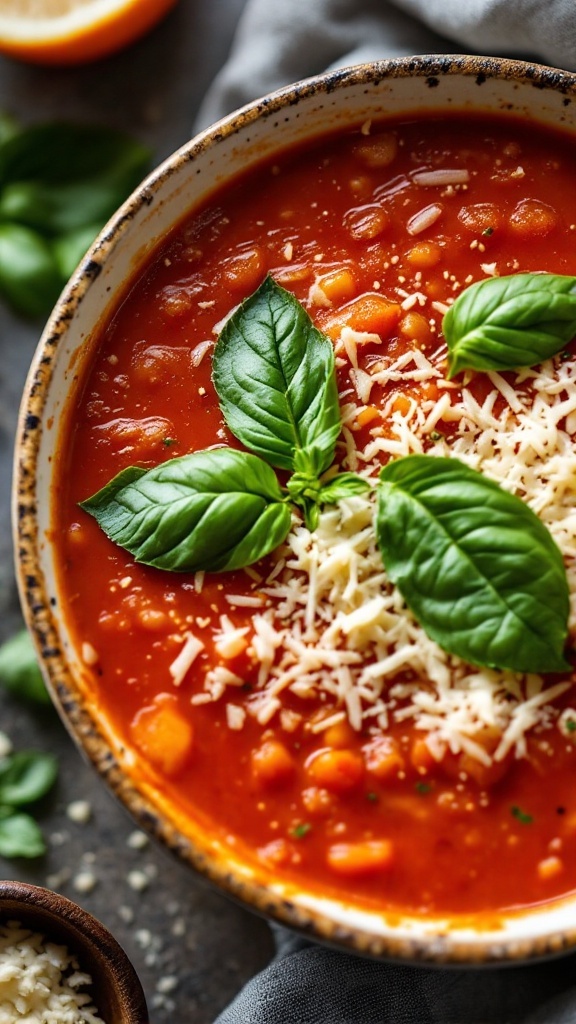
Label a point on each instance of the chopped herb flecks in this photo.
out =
(521, 816)
(299, 831)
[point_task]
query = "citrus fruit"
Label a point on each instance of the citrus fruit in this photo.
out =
(74, 31)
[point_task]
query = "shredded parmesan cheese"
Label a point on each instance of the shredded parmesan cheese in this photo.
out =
(333, 627)
(40, 982)
(185, 659)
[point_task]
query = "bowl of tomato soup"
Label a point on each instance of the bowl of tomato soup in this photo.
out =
(294, 507)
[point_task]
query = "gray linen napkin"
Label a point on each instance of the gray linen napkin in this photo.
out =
(282, 41)
(278, 42)
(309, 984)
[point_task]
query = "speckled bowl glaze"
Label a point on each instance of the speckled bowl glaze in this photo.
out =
(293, 115)
(116, 989)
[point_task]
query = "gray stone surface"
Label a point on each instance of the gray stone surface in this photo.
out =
(170, 923)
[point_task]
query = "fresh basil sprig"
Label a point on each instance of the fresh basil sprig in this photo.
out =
(274, 374)
(506, 322)
(224, 509)
(59, 183)
(220, 509)
(25, 777)
(479, 570)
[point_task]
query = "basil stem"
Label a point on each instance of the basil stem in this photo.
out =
(214, 510)
(476, 566)
(505, 322)
(274, 375)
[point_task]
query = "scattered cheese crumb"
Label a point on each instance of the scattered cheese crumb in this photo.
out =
(79, 811)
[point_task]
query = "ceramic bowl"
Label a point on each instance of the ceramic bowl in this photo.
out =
(294, 115)
(116, 989)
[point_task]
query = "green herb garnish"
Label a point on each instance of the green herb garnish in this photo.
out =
(479, 570)
(59, 184)
(506, 322)
(19, 671)
(476, 566)
(423, 787)
(224, 509)
(521, 816)
(299, 831)
(25, 777)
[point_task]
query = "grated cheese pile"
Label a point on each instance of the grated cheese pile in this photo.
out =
(40, 981)
(331, 625)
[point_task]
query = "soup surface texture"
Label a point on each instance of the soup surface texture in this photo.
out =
(296, 707)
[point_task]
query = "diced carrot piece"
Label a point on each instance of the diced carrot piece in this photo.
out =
(415, 326)
(244, 271)
(384, 759)
(533, 219)
(367, 415)
(272, 764)
(366, 222)
(549, 867)
(338, 285)
(361, 858)
(421, 756)
(401, 404)
(370, 312)
(163, 735)
(340, 771)
(481, 217)
(424, 255)
(339, 735)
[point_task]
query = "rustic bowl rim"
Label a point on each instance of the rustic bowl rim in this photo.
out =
(313, 919)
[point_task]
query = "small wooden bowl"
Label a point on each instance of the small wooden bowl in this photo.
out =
(116, 989)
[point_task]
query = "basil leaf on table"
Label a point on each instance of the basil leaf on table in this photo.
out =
(505, 322)
(59, 184)
(26, 777)
(273, 371)
(479, 570)
(19, 671)
(29, 277)
(20, 836)
(58, 153)
(215, 510)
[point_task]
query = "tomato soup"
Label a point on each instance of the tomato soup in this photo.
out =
(296, 707)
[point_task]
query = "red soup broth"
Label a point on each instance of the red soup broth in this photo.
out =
(354, 760)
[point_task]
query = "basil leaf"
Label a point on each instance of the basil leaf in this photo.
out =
(505, 322)
(274, 375)
(477, 567)
(26, 776)
(60, 153)
(20, 836)
(19, 671)
(344, 485)
(58, 209)
(29, 277)
(214, 510)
